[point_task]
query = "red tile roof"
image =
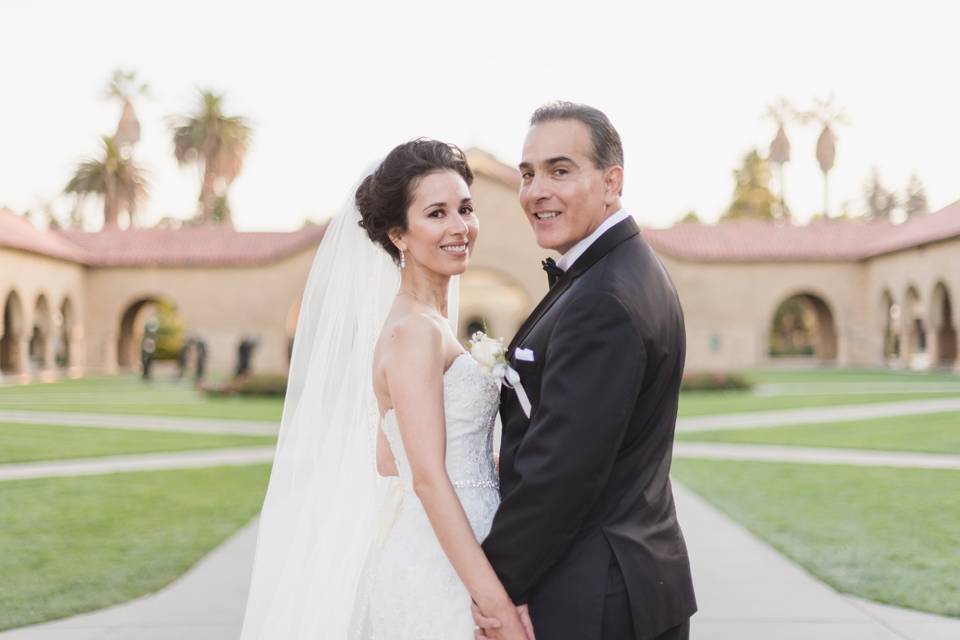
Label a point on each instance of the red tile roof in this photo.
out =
(920, 230)
(757, 241)
(736, 241)
(19, 233)
(198, 246)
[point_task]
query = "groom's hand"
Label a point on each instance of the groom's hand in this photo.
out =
(525, 620)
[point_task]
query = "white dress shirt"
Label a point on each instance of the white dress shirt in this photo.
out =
(567, 259)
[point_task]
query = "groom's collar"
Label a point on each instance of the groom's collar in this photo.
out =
(619, 232)
(604, 244)
(577, 250)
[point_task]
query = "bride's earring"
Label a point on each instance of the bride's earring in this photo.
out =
(403, 261)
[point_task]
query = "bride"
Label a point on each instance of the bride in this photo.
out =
(381, 493)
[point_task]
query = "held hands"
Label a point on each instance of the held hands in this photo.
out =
(503, 625)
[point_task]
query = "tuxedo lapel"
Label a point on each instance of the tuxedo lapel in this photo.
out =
(562, 284)
(616, 234)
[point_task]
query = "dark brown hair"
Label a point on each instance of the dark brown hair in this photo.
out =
(385, 195)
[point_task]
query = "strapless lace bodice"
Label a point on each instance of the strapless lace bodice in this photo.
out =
(470, 401)
(416, 593)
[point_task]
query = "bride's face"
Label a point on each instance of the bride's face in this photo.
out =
(441, 224)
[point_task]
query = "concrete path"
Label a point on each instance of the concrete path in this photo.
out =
(141, 462)
(206, 603)
(148, 423)
(746, 591)
(256, 455)
(843, 413)
(815, 455)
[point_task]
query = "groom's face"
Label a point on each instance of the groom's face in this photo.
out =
(562, 191)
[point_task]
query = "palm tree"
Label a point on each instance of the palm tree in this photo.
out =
(217, 143)
(779, 154)
(828, 115)
(114, 177)
(124, 87)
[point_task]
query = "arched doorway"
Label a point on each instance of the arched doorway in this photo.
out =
(473, 324)
(803, 327)
(150, 324)
(890, 314)
(11, 353)
(491, 301)
(942, 327)
(67, 326)
(913, 342)
(40, 335)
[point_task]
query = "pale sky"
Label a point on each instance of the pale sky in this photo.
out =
(332, 87)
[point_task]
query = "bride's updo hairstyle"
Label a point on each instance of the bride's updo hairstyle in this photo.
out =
(385, 195)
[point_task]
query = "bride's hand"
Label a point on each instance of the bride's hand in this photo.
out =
(491, 628)
(484, 623)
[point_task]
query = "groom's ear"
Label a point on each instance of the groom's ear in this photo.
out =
(613, 183)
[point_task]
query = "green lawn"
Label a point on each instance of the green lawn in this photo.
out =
(128, 395)
(778, 376)
(884, 534)
(700, 403)
(78, 544)
(930, 433)
(30, 442)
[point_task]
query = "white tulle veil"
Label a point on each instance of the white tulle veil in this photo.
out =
(326, 510)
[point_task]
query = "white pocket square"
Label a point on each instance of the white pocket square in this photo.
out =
(524, 354)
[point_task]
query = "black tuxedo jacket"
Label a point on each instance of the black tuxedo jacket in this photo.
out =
(585, 480)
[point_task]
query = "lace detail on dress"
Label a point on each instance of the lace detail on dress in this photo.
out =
(416, 594)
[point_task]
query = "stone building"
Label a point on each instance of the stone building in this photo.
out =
(874, 293)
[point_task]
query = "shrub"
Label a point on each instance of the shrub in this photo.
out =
(714, 382)
(257, 384)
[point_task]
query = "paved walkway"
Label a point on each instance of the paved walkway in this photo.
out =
(815, 455)
(141, 462)
(206, 603)
(746, 590)
(148, 423)
(843, 413)
(256, 455)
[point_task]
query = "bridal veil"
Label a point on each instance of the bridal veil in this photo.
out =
(326, 509)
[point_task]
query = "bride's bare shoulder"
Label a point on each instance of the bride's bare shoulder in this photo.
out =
(411, 335)
(414, 330)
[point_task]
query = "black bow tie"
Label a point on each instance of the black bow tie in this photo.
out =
(553, 271)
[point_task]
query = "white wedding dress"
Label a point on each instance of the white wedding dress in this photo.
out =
(337, 558)
(415, 593)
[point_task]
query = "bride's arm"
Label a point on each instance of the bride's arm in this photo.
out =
(415, 380)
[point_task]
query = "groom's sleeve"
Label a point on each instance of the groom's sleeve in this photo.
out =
(592, 376)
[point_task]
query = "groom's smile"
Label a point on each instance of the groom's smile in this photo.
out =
(562, 191)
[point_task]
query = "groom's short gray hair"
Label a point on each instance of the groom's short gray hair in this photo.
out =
(607, 148)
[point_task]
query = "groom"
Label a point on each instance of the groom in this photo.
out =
(586, 535)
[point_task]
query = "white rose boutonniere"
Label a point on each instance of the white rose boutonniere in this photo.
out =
(491, 355)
